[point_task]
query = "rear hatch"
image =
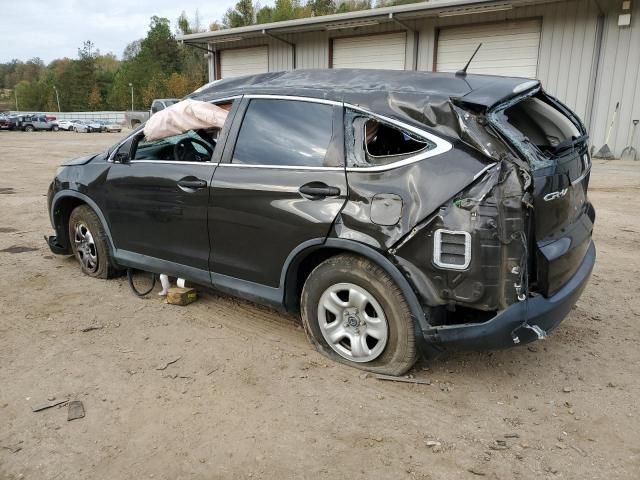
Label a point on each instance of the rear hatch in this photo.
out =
(555, 144)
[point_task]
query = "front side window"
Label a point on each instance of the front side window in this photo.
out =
(371, 142)
(190, 146)
(285, 133)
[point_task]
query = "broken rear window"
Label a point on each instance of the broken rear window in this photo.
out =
(372, 142)
(539, 128)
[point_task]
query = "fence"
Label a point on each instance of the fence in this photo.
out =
(117, 117)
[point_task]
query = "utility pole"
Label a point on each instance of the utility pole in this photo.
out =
(131, 85)
(16, 94)
(57, 98)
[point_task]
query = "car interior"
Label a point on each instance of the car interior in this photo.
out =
(191, 146)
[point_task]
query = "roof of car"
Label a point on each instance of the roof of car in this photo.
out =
(419, 98)
(342, 84)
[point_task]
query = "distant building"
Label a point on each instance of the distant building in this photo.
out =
(585, 52)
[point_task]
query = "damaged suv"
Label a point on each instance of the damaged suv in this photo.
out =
(396, 211)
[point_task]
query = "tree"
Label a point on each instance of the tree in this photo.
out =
(321, 7)
(132, 50)
(95, 98)
(241, 15)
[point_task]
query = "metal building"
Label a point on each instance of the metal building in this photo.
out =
(585, 52)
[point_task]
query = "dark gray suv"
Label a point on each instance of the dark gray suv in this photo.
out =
(394, 210)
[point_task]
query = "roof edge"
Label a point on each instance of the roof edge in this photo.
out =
(382, 12)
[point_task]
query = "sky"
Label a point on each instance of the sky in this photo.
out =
(52, 29)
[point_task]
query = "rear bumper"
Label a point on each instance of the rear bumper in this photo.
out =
(517, 323)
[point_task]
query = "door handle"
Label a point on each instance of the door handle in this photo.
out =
(192, 184)
(318, 190)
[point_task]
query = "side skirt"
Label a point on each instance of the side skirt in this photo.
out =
(255, 292)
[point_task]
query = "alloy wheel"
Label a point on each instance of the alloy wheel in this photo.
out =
(86, 250)
(352, 322)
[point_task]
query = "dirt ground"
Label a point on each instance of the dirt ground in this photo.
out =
(248, 397)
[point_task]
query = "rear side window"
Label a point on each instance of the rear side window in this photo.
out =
(285, 133)
(371, 142)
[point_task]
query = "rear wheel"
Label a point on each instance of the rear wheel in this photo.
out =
(353, 312)
(89, 243)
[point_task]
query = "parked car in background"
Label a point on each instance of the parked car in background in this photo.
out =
(135, 119)
(92, 125)
(8, 122)
(70, 125)
(409, 210)
(109, 126)
(35, 122)
(161, 103)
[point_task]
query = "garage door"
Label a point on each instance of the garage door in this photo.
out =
(371, 51)
(244, 61)
(508, 48)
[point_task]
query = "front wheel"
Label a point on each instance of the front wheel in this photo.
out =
(29, 128)
(89, 243)
(55, 129)
(353, 312)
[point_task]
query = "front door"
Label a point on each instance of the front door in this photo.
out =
(281, 183)
(156, 202)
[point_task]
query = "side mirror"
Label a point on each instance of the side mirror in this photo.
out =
(121, 157)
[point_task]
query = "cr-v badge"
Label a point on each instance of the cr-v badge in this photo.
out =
(554, 195)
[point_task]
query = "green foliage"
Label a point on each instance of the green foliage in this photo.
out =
(156, 66)
(246, 12)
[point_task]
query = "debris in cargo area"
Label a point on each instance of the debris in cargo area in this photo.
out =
(76, 410)
(181, 296)
(182, 117)
(48, 404)
(171, 362)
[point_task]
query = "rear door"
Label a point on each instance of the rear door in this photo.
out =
(281, 183)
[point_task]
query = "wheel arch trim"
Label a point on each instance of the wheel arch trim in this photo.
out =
(349, 246)
(61, 195)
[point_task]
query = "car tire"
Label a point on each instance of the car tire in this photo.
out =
(353, 312)
(55, 129)
(89, 243)
(29, 128)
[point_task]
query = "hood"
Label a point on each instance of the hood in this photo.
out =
(80, 160)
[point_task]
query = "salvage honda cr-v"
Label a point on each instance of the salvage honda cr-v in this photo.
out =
(394, 210)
